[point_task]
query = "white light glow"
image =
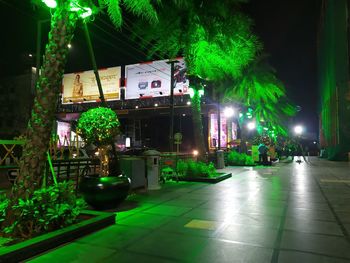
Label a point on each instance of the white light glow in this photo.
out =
(251, 125)
(229, 112)
(298, 129)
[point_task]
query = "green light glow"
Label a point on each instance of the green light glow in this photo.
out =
(192, 92)
(201, 92)
(82, 11)
(50, 3)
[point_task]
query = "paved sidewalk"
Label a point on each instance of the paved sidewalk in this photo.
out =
(289, 212)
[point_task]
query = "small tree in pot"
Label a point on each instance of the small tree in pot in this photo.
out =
(99, 126)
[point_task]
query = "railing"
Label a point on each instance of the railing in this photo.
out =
(63, 169)
(72, 169)
(10, 151)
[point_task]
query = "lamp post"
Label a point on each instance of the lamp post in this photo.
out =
(172, 86)
(298, 130)
(94, 65)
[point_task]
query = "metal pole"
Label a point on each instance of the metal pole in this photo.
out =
(94, 66)
(172, 83)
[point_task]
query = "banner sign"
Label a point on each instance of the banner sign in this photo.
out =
(153, 79)
(82, 86)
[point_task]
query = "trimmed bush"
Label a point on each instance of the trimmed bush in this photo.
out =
(235, 158)
(191, 168)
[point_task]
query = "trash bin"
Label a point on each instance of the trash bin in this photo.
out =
(152, 169)
(220, 160)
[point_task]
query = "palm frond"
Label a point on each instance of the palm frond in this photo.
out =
(114, 11)
(142, 8)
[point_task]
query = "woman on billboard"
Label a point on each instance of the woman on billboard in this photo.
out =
(77, 87)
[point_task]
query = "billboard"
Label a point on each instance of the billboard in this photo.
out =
(82, 86)
(152, 79)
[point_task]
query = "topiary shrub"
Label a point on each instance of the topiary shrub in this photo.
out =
(46, 210)
(99, 126)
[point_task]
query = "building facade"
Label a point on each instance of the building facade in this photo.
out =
(334, 81)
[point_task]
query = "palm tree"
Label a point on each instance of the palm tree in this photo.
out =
(258, 88)
(63, 23)
(215, 41)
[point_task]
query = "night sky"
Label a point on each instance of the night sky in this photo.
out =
(288, 30)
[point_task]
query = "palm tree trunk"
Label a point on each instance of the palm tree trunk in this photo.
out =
(48, 86)
(197, 123)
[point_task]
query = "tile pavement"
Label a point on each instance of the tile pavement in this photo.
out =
(286, 213)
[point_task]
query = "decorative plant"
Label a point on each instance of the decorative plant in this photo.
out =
(235, 158)
(99, 126)
(191, 168)
(46, 210)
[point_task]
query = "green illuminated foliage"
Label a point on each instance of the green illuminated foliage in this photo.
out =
(214, 44)
(141, 8)
(258, 84)
(259, 89)
(192, 168)
(82, 7)
(213, 36)
(46, 210)
(98, 125)
(235, 158)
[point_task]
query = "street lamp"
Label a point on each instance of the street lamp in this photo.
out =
(229, 112)
(298, 130)
(251, 125)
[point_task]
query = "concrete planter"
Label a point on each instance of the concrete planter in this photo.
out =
(92, 221)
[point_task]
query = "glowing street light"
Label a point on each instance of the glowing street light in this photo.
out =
(229, 112)
(195, 152)
(251, 125)
(298, 129)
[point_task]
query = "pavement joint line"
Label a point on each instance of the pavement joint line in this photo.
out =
(277, 244)
(334, 181)
(316, 234)
(340, 224)
(314, 253)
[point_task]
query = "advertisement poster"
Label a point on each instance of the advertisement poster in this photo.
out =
(153, 79)
(63, 132)
(82, 86)
(213, 131)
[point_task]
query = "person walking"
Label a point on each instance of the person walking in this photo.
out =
(262, 153)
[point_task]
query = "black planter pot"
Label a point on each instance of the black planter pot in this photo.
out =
(104, 192)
